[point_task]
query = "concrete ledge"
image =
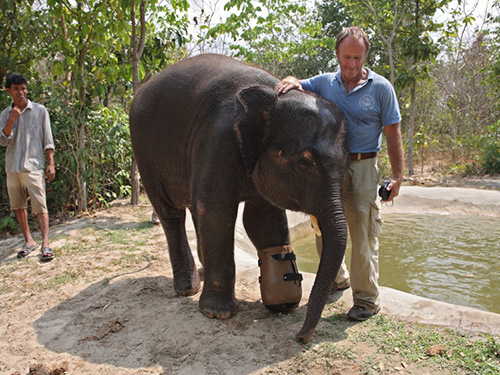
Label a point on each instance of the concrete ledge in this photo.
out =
(443, 200)
(395, 303)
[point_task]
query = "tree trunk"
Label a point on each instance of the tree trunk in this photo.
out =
(411, 126)
(82, 207)
(134, 199)
(138, 42)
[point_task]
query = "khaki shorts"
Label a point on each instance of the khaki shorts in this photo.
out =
(20, 185)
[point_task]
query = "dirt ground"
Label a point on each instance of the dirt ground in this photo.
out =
(106, 305)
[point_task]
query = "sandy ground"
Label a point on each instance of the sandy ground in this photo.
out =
(106, 305)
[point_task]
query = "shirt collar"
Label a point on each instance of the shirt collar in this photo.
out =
(370, 77)
(28, 106)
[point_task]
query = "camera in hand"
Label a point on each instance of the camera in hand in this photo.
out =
(383, 192)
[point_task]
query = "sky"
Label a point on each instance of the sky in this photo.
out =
(477, 8)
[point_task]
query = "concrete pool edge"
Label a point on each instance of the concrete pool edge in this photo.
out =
(409, 307)
(395, 303)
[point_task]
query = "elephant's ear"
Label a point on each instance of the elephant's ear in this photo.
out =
(251, 114)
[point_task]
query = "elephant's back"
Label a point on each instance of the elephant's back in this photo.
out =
(193, 87)
(195, 77)
(184, 113)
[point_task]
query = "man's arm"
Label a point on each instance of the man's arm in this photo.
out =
(50, 173)
(396, 157)
(14, 115)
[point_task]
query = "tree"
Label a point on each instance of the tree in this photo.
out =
(319, 54)
(21, 24)
(163, 19)
(419, 50)
(493, 45)
(138, 39)
(270, 33)
(78, 51)
(405, 28)
(464, 81)
(98, 53)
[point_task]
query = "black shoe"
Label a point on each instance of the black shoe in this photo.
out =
(361, 313)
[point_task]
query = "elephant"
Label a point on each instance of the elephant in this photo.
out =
(209, 133)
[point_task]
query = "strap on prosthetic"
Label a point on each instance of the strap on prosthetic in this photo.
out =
(280, 282)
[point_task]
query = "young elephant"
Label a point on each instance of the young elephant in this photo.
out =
(208, 133)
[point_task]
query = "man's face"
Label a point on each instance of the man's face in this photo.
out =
(351, 54)
(18, 93)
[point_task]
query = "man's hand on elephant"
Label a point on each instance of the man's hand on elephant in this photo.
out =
(287, 84)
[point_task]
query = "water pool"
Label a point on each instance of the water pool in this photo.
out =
(454, 259)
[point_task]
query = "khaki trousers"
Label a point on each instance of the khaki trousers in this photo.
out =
(362, 208)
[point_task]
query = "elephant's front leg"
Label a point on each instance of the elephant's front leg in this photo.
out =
(280, 281)
(216, 236)
(265, 224)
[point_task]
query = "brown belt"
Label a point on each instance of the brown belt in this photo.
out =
(362, 156)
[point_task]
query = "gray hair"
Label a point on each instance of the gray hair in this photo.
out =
(355, 32)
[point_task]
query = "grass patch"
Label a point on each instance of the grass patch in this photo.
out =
(95, 239)
(126, 260)
(57, 281)
(444, 348)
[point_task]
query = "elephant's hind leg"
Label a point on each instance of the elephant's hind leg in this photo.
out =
(216, 235)
(186, 280)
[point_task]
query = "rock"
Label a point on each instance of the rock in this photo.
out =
(435, 350)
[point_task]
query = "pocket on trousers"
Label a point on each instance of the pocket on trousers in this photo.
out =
(376, 221)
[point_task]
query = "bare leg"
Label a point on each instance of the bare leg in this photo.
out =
(22, 219)
(43, 223)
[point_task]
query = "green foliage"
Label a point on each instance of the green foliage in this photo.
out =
(318, 52)
(21, 23)
(110, 153)
(107, 155)
(401, 36)
(93, 70)
(491, 150)
(269, 33)
(77, 57)
(8, 223)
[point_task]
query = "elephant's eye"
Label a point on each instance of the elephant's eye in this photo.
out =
(307, 162)
(307, 165)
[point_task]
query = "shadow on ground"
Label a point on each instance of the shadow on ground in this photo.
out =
(141, 322)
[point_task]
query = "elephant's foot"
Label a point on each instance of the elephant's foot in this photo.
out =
(187, 284)
(218, 308)
(280, 282)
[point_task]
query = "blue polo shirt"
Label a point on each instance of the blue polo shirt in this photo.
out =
(368, 108)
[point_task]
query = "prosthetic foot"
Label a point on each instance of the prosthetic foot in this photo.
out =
(280, 282)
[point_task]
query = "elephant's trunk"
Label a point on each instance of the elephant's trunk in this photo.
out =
(334, 237)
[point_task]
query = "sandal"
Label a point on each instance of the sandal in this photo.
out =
(26, 250)
(47, 254)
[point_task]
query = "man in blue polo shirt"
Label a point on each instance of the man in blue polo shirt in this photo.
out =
(370, 105)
